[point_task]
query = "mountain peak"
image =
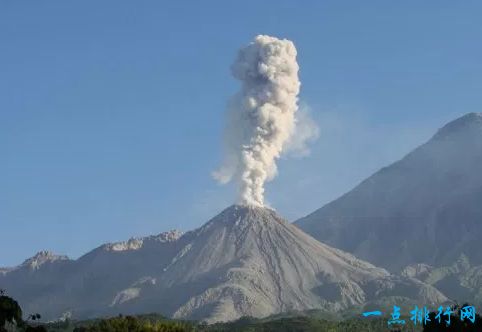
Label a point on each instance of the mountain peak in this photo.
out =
(41, 258)
(237, 215)
(249, 211)
(436, 187)
(469, 122)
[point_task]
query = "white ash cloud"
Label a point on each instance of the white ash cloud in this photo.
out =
(262, 118)
(306, 131)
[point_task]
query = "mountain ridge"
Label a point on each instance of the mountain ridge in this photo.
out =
(244, 261)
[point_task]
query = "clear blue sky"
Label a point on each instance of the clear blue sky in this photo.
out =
(111, 112)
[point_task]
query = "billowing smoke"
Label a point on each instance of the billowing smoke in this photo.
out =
(262, 116)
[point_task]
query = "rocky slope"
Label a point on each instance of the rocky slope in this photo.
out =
(425, 208)
(461, 281)
(53, 285)
(245, 261)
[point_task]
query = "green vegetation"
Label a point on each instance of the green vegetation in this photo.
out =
(153, 322)
(133, 324)
(305, 324)
(11, 320)
(456, 324)
(10, 311)
(11, 316)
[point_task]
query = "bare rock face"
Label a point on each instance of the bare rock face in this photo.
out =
(245, 261)
(42, 257)
(138, 243)
(423, 209)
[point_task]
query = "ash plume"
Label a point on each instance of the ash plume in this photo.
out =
(261, 116)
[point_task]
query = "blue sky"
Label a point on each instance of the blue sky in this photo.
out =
(111, 112)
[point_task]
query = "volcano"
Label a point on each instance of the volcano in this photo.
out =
(247, 261)
(424, 209)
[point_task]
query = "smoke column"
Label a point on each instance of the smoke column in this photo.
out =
(261, 117)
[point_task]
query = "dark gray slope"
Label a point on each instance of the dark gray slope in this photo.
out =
(425, 208)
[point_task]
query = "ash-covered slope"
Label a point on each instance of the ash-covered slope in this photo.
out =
(249, 261)
(425, 208)
(245, 261)
(55, 285)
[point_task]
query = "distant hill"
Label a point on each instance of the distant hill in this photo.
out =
(246, 261)
(425, 208)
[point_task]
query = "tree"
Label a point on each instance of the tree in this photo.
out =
(456, 322)
(10, 311)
